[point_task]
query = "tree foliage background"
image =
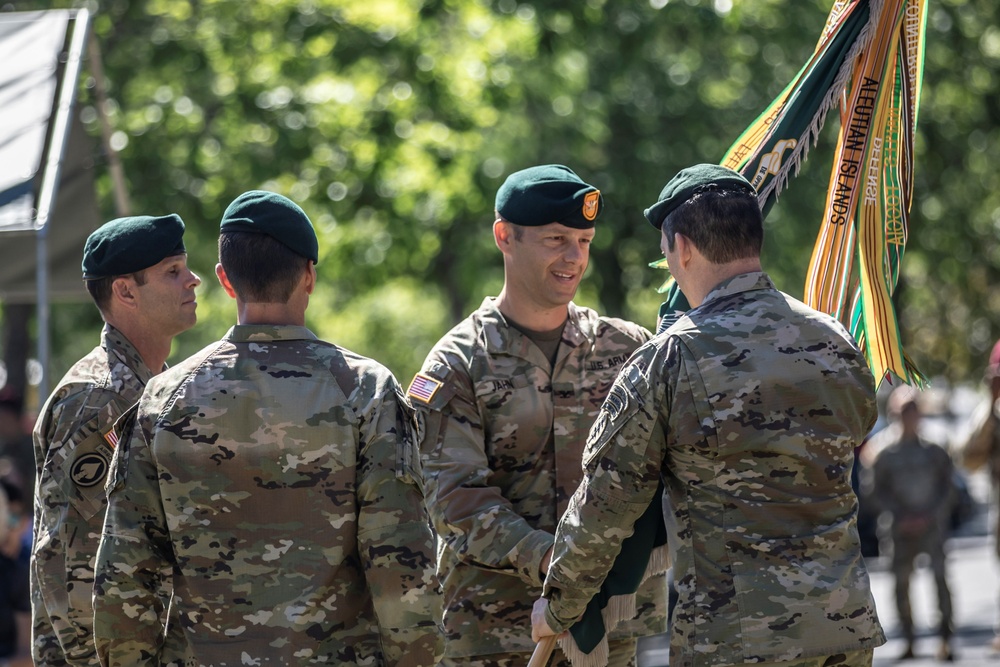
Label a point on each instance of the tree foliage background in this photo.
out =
(392, 123)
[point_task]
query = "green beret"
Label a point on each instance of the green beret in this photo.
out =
(548, 193)
(689, 182)
(127, 245)
(262, 212)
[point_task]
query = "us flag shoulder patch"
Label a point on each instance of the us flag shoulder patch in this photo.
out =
(111, 437)
(423, 387)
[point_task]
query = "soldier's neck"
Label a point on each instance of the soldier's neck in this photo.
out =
(277, 314)
(152, 346)
(530, 315)
(706, 276)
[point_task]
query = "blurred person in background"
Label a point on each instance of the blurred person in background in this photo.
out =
(15, 442)
(982, 450)
(911, 482)
(15, 598)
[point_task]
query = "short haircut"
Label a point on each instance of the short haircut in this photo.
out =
(260, 268)
(725, 225)
(100, 288)
(518, 231)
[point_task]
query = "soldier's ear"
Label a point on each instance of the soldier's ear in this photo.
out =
(503, 234)
(220, 273)
(123, 291)
(685, 249)
(310, 278)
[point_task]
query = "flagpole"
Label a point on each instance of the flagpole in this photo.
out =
(543, 651)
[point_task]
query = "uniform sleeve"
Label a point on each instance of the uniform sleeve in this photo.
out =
(394, 536)
(66, 527)
(45, 645)
(622, 464)
(976, 450)
(128, 608)
(469, 512)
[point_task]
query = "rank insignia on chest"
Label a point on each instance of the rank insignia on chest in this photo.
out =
(423, 387)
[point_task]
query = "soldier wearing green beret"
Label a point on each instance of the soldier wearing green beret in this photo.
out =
(505, 400)
(748, 410)
(136, 270)
(276, 477)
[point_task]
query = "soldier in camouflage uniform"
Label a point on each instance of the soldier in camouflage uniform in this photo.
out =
(911, 481)
(505, 400)
(277, 477)
(748, 409)
(136, 271)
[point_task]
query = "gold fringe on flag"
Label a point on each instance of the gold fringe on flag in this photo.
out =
(869, 62)
(620, 608)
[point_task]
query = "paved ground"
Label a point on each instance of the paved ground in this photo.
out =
(974, 578)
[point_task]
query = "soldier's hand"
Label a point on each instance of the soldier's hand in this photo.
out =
(539, 626)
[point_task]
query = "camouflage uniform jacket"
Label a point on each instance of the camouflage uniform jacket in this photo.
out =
(71, 461)
(277, 475)
(749, 408)
(502, 445)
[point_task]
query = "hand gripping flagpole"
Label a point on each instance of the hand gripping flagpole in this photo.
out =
(543, 651)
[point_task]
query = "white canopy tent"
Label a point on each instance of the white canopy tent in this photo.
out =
(47, 200)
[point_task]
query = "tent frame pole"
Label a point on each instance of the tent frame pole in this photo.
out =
(50, 184)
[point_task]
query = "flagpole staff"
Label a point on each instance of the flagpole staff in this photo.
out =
(543, 651)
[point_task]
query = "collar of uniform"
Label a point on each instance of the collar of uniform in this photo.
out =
(249, 333)
(115, 342)
(497, 332)
(579, 328)
(744, 282)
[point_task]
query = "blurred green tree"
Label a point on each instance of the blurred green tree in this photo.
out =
(392, 122)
